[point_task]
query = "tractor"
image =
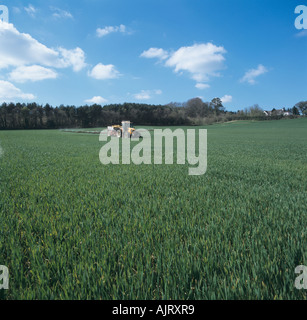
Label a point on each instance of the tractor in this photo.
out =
(126, 130)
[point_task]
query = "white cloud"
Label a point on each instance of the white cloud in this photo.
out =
(251, 74)
(202, 86)
(101, 32)
(31, 11)
(19, 49)
(201, 61)
(60, 14)
(96, 100)
(143, 95)
(31, 73)
(146, 94)
(155, 53)
(74, 58)
(104, 72)
(226, 99)
(9, 92)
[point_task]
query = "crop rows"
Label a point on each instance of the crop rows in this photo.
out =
(72, 228)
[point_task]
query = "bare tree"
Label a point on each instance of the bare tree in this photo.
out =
(302, 106)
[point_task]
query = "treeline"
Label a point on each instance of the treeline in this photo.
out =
(192, 112)
(35, 116)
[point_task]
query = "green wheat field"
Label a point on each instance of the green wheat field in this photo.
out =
(72, 228)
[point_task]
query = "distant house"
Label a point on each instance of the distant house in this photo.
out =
(267, 113)
(277, 112)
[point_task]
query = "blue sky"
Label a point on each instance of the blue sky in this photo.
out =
(153, 51)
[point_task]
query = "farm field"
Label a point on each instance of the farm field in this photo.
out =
(72, 228)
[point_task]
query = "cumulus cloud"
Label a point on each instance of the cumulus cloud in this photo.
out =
(74, 58)
(226, 99)
(143, 95)
(146, 94)
(96, 100)
(31, 73)
(155, 53)
(9, 92)
(201, 61)
(202, 86)
(101, 32)
(19, 49)
(252, 74)
(104, 72)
